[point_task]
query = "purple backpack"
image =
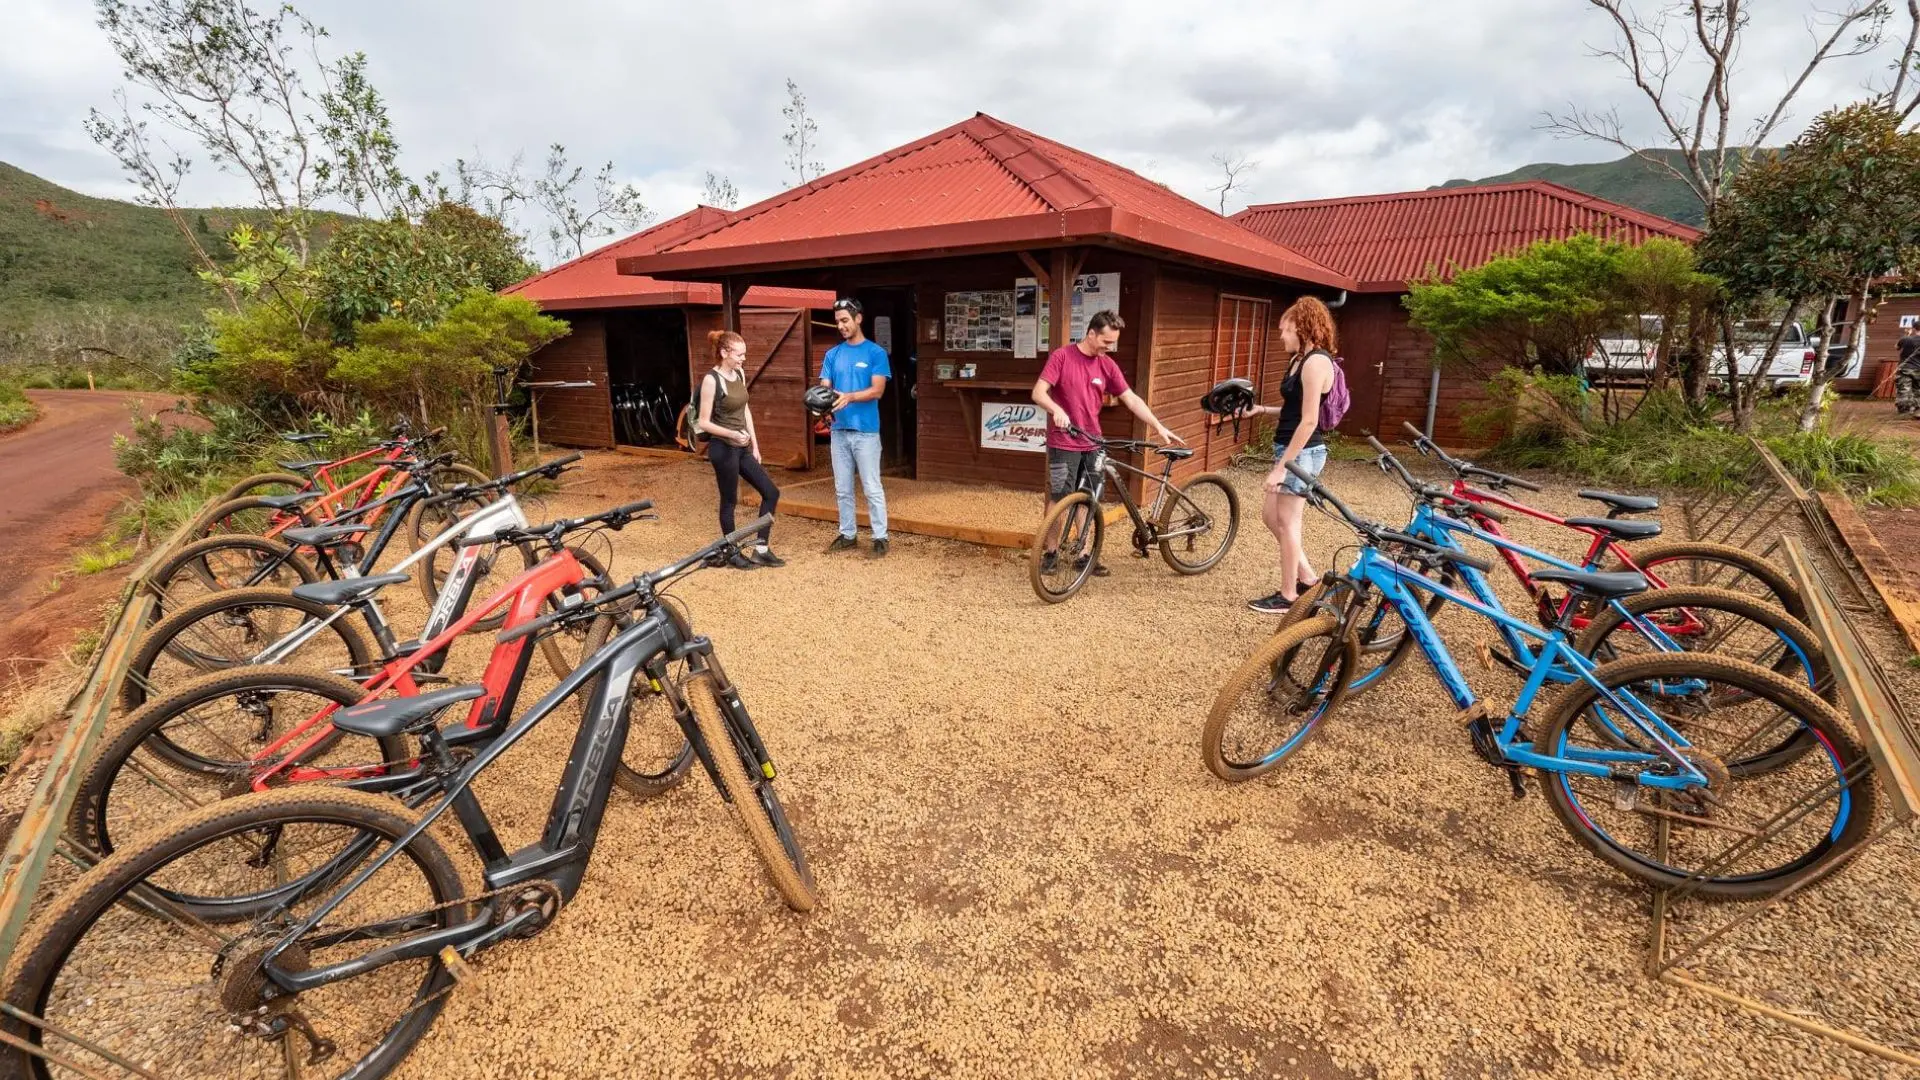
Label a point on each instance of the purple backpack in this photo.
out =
(1334, 403)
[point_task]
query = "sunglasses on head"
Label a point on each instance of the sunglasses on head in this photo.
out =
(852, 306)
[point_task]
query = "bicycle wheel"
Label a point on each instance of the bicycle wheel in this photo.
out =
(231, 561)
(115, 964)
(1078, 527)
(749, 787)
(203, 742)
(1206, 510)
(426, 519)
(1726, 821)
(1274, 701)
(228, 629)
(266, 483)
(657, 754)
(1720, 566)
(248, 516)
(1382, 635)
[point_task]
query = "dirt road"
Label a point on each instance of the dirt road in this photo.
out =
(60, 485)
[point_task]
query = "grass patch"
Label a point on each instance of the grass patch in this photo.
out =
(102, 557)
(30, 708)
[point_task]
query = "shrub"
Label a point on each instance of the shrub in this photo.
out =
(15, 409)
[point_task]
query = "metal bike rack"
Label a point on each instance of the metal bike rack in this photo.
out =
(37, 838)
(1893, 746)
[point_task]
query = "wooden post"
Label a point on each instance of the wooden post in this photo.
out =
(499, 435)
(1059, 298)
(730, 290)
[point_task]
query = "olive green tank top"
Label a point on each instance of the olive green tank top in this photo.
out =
(730, 404)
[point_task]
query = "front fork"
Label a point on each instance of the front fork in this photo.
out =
(701, 659)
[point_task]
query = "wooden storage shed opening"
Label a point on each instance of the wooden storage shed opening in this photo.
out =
(979, 249)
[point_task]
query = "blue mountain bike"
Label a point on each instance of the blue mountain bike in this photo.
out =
(1657, 799)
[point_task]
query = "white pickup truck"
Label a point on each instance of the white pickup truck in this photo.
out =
(1630, 357)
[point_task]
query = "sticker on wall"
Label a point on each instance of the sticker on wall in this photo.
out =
(1013, 425)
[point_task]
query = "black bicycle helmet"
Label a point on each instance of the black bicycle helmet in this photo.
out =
(820, 398)
(1229, 397)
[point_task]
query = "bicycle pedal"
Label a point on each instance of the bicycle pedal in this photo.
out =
(1519, 783)
(457, 965)
(1485, 652)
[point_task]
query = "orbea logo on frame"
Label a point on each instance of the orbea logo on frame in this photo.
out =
(1013, 426)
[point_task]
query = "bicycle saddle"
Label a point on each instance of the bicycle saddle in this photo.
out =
(391, 716)
(304, 466)
(288, 502)
(348, 590)
(1606, 586)
(1175, 453)
(303, 436)
(1617, 528)
(1622, 504)
(321, 535)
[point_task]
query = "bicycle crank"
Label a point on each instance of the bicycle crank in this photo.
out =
(1480, 731)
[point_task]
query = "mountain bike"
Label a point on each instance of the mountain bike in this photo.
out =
(323, 473)
(308, 624)
(1193, 524)
(1665, 564)
(265, 724)
(1650, 805)
(317, 927)
(1674, 619)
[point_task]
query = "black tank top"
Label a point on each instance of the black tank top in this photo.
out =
(1291, 391)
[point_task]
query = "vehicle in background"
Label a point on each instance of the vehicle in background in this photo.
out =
(1792, 364)
(1628, 355)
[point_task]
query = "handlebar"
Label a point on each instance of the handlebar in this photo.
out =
(552, 531)
(1378, 533)
(1430, 492)
(551, 470)
(1465, 469)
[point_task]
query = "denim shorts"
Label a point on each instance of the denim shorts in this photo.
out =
(1311, 461)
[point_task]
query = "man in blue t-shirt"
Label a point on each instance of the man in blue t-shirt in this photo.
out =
(857, 370)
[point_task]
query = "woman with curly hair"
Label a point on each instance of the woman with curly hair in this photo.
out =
(1307, 337)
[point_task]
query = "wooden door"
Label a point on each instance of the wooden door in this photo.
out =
(777, 360)
(1239, 352)
(1363, 326)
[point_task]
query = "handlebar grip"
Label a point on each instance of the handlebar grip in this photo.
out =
(436, 433)
(568, 460)
(1482, 510)
(530, 627)
(1377, 447)
(1524, 485)
(630, 509)
(1413, 431)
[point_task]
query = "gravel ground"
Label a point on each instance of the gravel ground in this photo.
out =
(1027, 871)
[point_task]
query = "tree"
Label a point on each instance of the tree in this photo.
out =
(719, 191)
(572, 222)
(1234, 165)
(1548, 305)
(1682, 58)
(1814, 227)
(801, 132)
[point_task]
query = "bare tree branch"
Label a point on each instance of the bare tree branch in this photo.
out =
(1235, 165)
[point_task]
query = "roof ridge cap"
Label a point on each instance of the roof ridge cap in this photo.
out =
(1090, 195)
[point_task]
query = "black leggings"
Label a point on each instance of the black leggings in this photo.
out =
(730, 463)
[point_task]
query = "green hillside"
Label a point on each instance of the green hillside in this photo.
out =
(1629, 181)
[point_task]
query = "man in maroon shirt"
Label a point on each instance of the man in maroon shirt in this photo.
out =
(1074, 383)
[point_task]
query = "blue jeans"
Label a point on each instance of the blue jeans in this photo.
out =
(858, 450)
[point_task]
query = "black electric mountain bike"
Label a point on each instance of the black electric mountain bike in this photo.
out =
(317, 930)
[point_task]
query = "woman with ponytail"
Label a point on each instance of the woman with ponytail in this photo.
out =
(732, 446)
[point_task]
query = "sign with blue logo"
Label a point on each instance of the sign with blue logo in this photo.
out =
(1013, 425)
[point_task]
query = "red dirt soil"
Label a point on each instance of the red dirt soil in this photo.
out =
(1897, 530)
(59, 488)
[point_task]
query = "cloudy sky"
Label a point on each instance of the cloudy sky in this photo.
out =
(1330, 99)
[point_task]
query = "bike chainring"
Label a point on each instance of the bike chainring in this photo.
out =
(1139, 544)
(541, 897)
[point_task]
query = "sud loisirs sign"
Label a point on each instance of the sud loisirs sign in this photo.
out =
(1010, 425)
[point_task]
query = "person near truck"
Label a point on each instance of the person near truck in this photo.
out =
(1906, 379)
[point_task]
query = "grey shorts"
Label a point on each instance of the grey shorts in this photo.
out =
(1312, 461)
(1065, 470)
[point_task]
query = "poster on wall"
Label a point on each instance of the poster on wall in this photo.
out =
(1091, 293)
(1907, 322)
(1013, 425)
(1026, 318)
(883, 333)
(979, 321)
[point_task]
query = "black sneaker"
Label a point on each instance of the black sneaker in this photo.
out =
(741, 562)
(765, 557)
(1271, 604)
(1099, 569)
(880, 549)
(842, 543)
(1049, 562)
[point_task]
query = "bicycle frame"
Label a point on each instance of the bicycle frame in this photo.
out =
(1396, 584)
(573, 823)
(1107, 468)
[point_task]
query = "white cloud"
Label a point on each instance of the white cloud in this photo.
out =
(1372, 96)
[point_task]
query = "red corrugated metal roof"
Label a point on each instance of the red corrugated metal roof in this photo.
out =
(978, 184)
(1385, 241)
(593, 281)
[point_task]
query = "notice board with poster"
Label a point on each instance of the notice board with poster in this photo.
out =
(980, 321)
(1033, 310)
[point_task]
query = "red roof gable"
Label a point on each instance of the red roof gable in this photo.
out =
(979, 184)
(591, 281)
(1387, 240)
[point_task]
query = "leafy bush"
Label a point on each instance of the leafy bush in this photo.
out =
(1666, 443)
(173, 459)
(15, 409)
